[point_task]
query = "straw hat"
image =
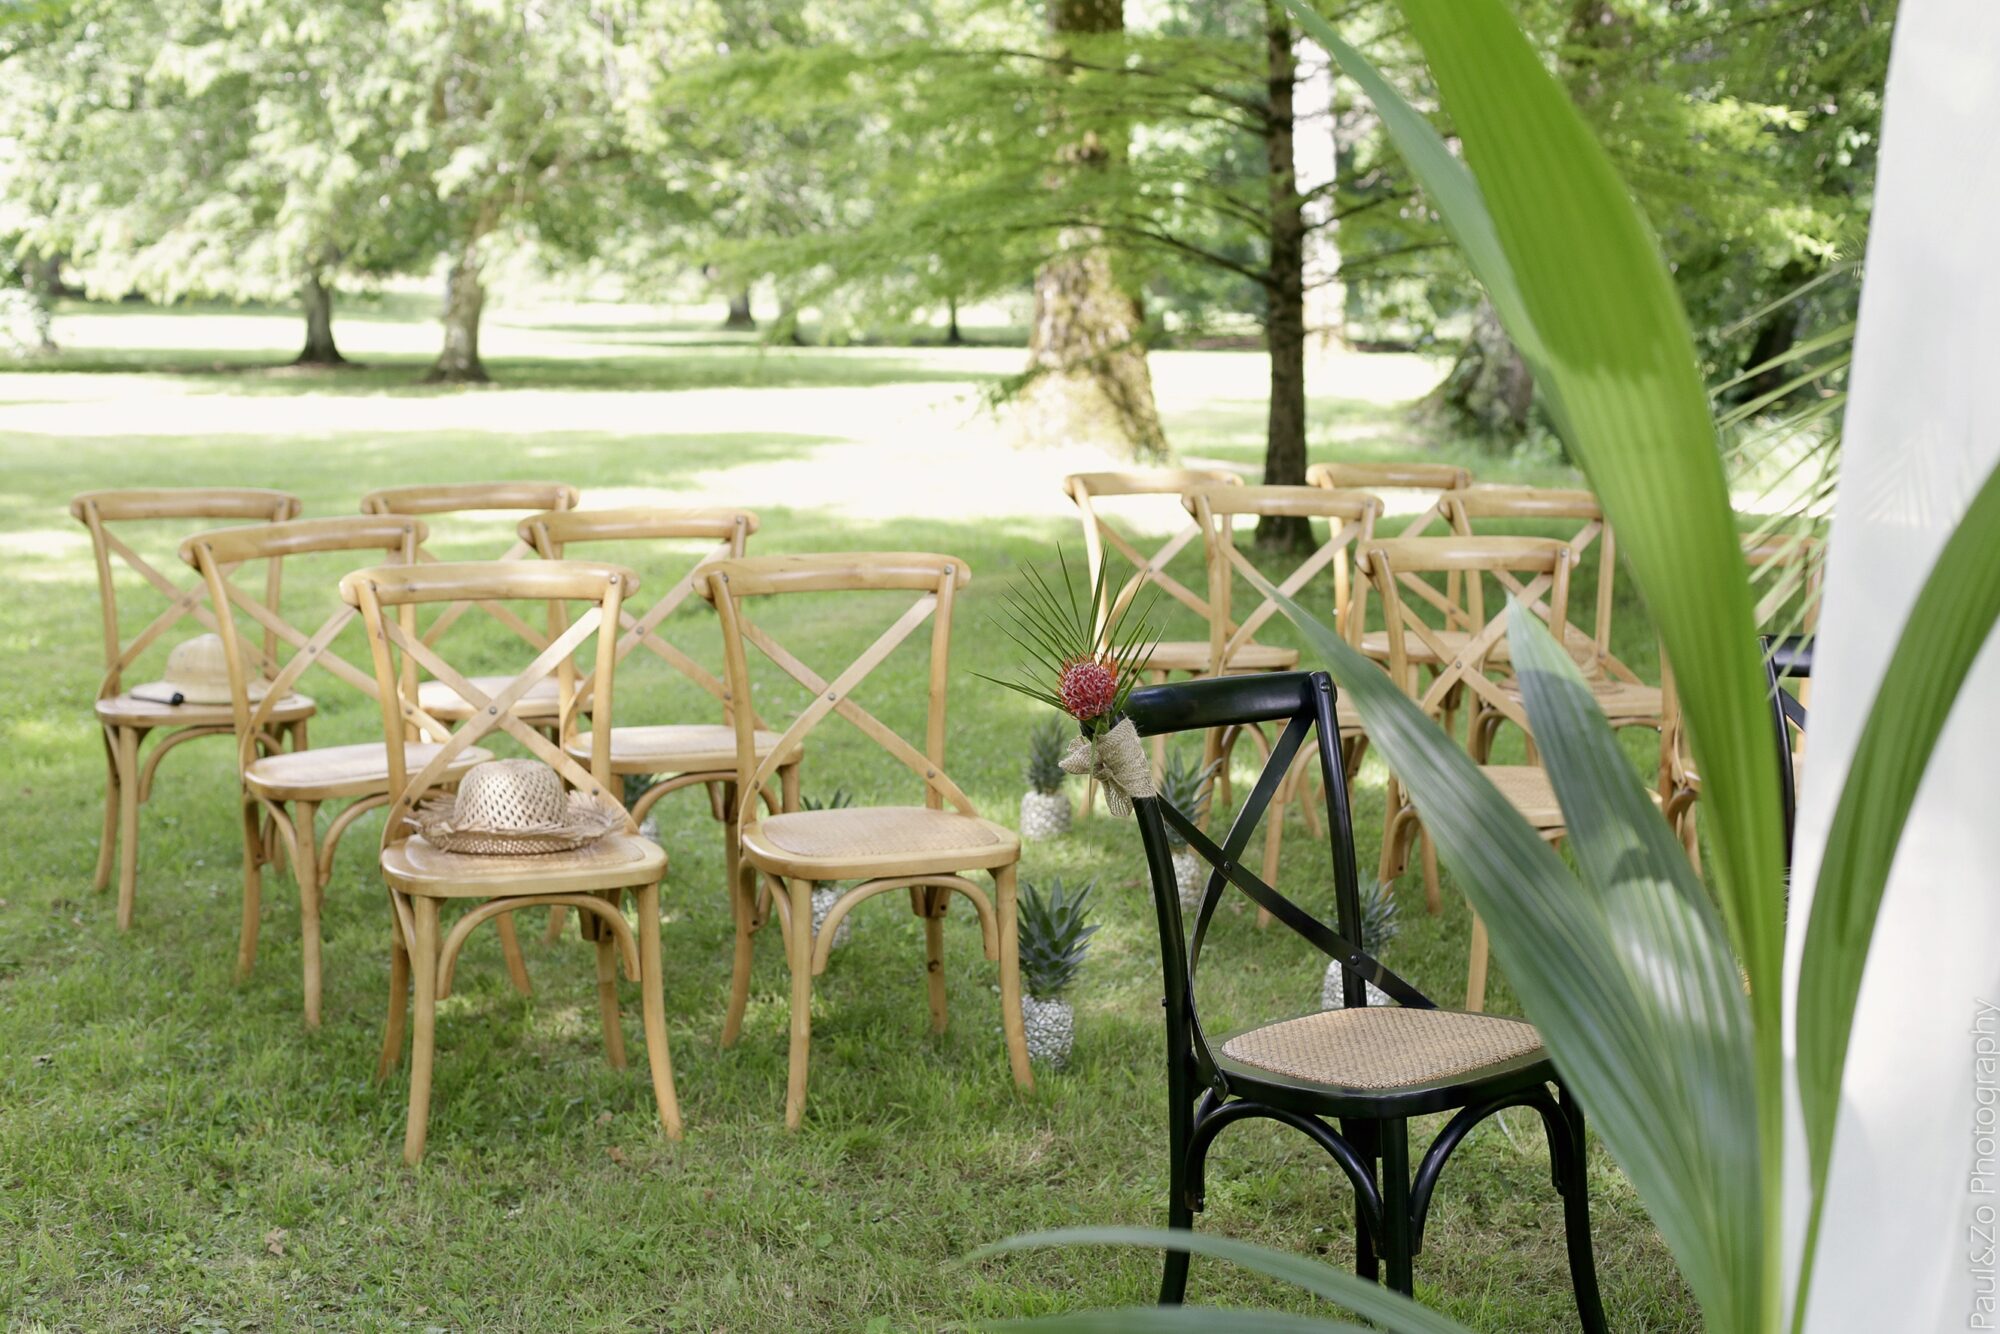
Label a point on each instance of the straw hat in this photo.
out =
(197, 673)
(514, 807)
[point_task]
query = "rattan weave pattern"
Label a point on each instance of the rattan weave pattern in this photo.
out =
(1383, 1047)
(513, 807)
(874, 831)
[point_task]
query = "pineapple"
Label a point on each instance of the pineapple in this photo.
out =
(1378, 928)
(1044, 807)
(1055, 937)
(826, 893)
(1187, 788)
(636, 786)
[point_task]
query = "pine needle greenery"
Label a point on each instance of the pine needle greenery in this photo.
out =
(1071, 664)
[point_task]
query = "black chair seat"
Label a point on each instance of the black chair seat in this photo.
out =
(1384, 1060)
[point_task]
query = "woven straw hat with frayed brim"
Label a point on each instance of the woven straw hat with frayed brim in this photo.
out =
(514, 808)
(197, 673)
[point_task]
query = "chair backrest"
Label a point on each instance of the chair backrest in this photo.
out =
(554, 532)
(1304, 703)
(935, 579)
(1102, 536)
(216, 554)
(1471, 512)
(396, 645)
(1350, 518)
(100, 511)
(1437, 478)
(1789, 567)
(1535, 570)
(475, 498)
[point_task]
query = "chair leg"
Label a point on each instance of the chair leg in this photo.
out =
(1573, 1169)
(1397, 1242)
(399, 1000)
(931, 904)
(1433, 892)
(253, 887)
(607, 996)
(1006, 910)
(558, 918)
(1180, 1208)
(423, 1039)
(107, 843)
(799, 955)
(653, 1010)
(305, 828)
(128, 823)
(1368, 1265)
(743, 906)
(510, 950)
(1476, 966)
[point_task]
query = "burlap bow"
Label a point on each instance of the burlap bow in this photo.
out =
(1117, 762)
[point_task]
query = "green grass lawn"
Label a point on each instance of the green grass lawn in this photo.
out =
(177, 1152)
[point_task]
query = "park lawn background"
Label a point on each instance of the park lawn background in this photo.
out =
(176, 1151)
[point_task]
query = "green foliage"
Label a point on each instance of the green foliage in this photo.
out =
(1055, 934)
(1056, 629)
(1187, 788)
(1046, 746)
(838, 799)
(1379, 923)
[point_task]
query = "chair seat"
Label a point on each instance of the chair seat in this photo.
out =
(440, 701)
(1191, 655)
(1528, 790)
(615, 861)
(673, 748)
(1622, 701)
(1375, 644)
(125, 711)
(1382, 1048)
(342, 771)
(863, 842)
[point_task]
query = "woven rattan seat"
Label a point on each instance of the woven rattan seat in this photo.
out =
(611, 862)
(1193, 656)
(1528, 790)
(127, 711)
(440, 701)
(1618, 699)
(1383, 1047)
(876, 839)
(339, 771)
(674, 748)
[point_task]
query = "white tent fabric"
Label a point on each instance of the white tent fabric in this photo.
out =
(1913, 1187)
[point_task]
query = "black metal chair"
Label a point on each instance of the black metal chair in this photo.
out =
(1787, 656)
(1348, 1079)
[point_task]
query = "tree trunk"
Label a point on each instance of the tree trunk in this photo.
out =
(1285, 310)
(1488, 388)
(316, 298)
(1087, 378)
(952, 336)
(464, 300)
(739, 312)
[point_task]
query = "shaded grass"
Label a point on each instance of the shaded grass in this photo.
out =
(175, 1149)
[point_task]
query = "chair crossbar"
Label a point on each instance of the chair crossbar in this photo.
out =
(490, 712)
(498, 611)
(1298, 579)
(1227, 869)
(310, 649)
(836, 697)
(1150, 569)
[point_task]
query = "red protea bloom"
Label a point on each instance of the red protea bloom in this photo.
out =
(1089, 688)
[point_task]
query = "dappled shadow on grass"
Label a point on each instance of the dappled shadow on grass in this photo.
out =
(718, 366)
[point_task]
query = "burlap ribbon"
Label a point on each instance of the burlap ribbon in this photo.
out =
(1117, 762)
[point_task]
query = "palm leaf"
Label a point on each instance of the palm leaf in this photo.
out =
(1391, 1310)
(1947, 626)
(1599, 325)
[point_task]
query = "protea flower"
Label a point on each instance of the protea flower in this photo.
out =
(1089, 687)
(1093, 665)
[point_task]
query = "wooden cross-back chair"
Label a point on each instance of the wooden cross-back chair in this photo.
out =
(1542, 568)
(421, 878)
(1350, 519)
(925, 849)
(478, 498)
(281, 794)
(1626, 700)
(125, 720)
(1350, 1079)
(682, 754)
(1789, 570)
